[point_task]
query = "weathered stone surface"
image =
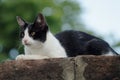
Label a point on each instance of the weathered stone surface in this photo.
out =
(48, 69)
(102, 68)
(68, 69)
(78, 68)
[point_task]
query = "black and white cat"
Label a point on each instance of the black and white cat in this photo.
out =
(40, 43)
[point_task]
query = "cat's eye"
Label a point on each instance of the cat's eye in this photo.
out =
(33, 33)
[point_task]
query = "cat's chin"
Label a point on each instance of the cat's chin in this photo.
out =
(27, 44)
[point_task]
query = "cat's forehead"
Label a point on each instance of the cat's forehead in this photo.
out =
(27, 25)
(30, 25)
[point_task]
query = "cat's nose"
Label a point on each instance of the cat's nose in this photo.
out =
(25, 41)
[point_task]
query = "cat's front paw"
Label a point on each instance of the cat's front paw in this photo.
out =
(20, 57)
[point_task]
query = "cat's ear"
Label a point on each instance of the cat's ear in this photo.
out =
(40, 21)
(20, 21)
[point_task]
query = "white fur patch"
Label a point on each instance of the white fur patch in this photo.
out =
(53, 46)
(27, 57)
(26, 37)
(109, 54)
(39, 20)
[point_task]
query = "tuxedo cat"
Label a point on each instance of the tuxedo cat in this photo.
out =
(40, 43)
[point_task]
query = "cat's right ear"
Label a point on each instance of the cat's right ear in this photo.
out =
(20, 21)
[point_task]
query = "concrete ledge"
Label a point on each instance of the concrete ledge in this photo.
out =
(77, 68)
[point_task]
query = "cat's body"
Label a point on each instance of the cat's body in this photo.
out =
(80, 43)
(40, 43)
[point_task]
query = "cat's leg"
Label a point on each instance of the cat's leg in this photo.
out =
(30, 57)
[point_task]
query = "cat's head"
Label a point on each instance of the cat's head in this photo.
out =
(33, 33)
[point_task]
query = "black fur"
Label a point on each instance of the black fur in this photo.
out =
(80, 43)
(40, 34)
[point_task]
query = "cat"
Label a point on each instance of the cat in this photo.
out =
(40, 43)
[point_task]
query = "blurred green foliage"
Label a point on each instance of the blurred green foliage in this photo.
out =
(60, 15)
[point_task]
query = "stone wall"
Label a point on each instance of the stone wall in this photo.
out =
(76, 68)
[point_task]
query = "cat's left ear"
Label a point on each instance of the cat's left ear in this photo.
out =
(40, 21)
(20, 21)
